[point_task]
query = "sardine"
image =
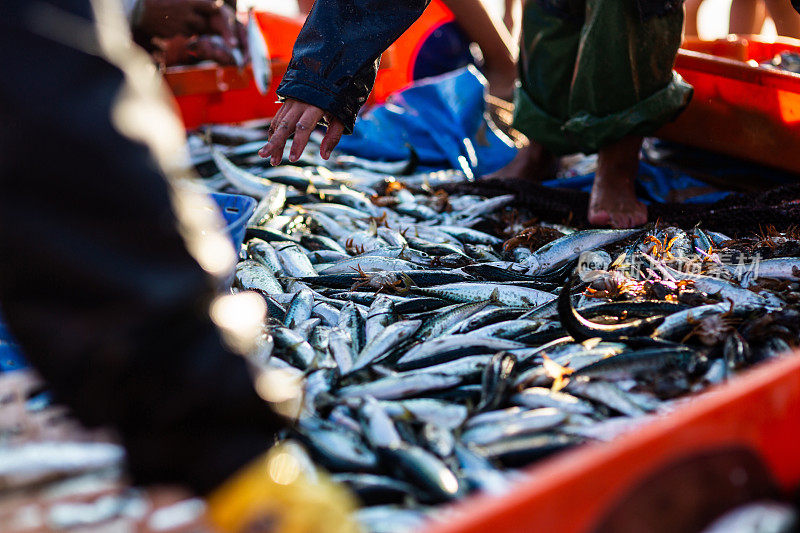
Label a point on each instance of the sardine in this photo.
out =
(259, 54)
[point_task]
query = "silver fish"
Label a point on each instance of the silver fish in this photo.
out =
(259, 54)
(398, 387)
(496, 293)
(382, 343)
(564, 249)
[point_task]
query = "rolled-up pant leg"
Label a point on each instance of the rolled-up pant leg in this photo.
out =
(593, 72)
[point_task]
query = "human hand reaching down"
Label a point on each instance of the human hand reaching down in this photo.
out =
(299, 118)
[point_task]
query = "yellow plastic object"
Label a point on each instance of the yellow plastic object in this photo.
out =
(280, 492)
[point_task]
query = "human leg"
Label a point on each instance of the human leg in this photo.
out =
(549, 45)
(786, 19)
(623, 89)
(613, 200)
(690, 25)
(747, 17)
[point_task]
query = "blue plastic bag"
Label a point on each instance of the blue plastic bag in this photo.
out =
(442, 119)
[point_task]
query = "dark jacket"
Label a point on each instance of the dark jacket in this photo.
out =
(96, 283)
(335, 57)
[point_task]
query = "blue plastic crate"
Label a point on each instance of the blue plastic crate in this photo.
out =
(237, 209)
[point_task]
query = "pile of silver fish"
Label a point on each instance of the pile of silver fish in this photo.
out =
(442, 343)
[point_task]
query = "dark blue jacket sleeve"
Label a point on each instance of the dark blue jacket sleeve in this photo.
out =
(335, 57)
(96, 282)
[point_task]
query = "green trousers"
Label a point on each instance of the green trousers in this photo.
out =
(592, 72)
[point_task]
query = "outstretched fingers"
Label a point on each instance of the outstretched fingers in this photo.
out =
(332, 137)
(284, 127)
(299, 119)
(308, 121)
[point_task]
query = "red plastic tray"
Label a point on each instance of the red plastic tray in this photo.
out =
(739, 108)
(212, 94)
(733, 444)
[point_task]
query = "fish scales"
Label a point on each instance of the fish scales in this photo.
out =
(434, 356)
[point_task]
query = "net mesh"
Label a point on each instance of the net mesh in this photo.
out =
(738, 215)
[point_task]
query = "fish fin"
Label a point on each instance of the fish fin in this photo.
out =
(408, 283)
(407, 415)
(618, 261)
(413, 161)
(402, 254)
(495, 296)
(557, 372)
(591, 343)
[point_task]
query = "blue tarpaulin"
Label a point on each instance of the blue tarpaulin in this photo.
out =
(442, 119)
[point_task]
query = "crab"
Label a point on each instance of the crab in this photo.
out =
(660, 250)
(394, 186)
(379, 221)
(612, 284)
(511, 223)
(772, 243)
(441, 201)
(713, 329)
(377, 280)
(532, 237)
(782, 324)
(353, 248)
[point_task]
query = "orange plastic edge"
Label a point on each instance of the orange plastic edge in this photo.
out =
(399, 74)
(759, 409)
(739, 109)
(211, 94)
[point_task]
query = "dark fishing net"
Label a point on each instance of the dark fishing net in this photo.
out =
(738, 215)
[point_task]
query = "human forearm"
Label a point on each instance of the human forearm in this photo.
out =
(496, 44)
(491, 35)
(334, 61)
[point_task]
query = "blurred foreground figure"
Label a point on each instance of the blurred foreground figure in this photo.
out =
(107, 298)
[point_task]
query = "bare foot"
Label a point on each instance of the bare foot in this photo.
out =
(533, 162)
(613, 201)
